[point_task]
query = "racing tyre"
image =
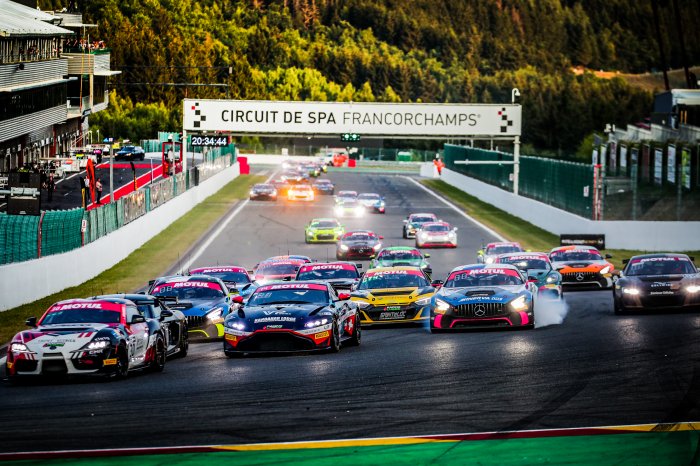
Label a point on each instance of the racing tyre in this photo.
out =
(122, 368)
(619, 309)
(236, 355)
(184, 343)
(356, 338)
(436, 330)
(405, 235)
(335, 340)
(158, 363)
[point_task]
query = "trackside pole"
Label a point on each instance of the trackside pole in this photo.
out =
(516, 165)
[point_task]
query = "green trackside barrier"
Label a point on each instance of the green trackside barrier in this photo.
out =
(60, 231)
(566, 185)
(18, 238)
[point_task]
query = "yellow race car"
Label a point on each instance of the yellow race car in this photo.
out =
(392, 295)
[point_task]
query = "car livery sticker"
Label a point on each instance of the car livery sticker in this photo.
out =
(310, 268)
(524, 257)
(191, 284)
(101, 305)
(658, 259)
(380, 273)
(291, 286)
(461, 274)
(217, 270)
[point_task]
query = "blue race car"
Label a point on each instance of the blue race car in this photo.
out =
(478, 295)
(373, 202)
(538, 269)
(203, 299)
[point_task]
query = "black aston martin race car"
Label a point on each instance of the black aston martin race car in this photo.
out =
(341, 275)
(657, 281)
(292, 317)
(172, 321)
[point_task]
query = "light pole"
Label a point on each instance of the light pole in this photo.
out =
(516, 149)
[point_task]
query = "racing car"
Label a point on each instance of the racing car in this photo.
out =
(391, 295)
(107, 337)
(292, 317)
(349, 208)
(487, 254)
(358, 244)
(582, 266)
(263, 191)
(344, 196)
(413, 222)
(657, 281)
(537, 268)
(342, 276)
(323, 187)
(323, 230)
(172, 322)
(203, 299)
(373, 202)
(235, 278)
(277, 270)
(484, 295)
(436, 234)
(402, 255)
(300, 192)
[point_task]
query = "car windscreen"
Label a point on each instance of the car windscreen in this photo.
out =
(526, 263)
(564, 256)
(502, 249)
(74, 316)
(237, 277)
(359, 237)
(408, 254)
(275, 294)
(327, 272)
(186, 291)
(324, 224)
(393, 279)
(147, 310)
(422, 219)
(483, 277)
(371, 197)
(276, 269)
(660, 266)
(436, 228)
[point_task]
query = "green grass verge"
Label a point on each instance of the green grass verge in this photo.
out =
(147, 262)
(514, 228)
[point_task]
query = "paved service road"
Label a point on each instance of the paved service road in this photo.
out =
(595, 369)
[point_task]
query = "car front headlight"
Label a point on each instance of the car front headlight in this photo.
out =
(631, 291)
(551, 278)
(423, 234)
(605, 270)
(339, 210)
(234, 324)
(98, 344)
(519, 303)
(19, 348)
(441, 306)
(692, 289)
(423, 301)
(316, 323)
(310, 232)
(215, 314)
(489, 260)
(362, 304)
(344, 247)
(377, 246)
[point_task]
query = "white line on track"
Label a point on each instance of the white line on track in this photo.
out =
(186, 265)
(457, 209)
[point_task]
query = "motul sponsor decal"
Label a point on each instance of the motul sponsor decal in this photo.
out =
(462, 274)
(218, 270)
(308, 268)
(657, 259)
(293, 286)
(192, 284)
(393, 272)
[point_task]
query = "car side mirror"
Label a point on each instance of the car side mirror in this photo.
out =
(165, 313)
(608, 256)
(427, 255)
(381, 237)
(428, 270)
(405, 221)
(343, 296)
(532, 279)
(238, 299)
(437, 283)
(31, 322)
(358, 265)
(137, 319)
(455, 229)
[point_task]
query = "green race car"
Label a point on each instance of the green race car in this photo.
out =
(323, 230)
(401, 256)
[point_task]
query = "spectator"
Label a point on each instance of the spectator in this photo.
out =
(50, 187)
(98, 187)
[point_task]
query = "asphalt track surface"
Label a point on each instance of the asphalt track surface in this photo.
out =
(594, 369)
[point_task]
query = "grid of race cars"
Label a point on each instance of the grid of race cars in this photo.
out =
(293, 303)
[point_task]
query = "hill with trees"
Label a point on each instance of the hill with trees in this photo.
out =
(390, 50)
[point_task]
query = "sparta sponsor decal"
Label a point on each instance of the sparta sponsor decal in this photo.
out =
(274, 319)
(292, 286)
(309, 268)
(393, 272)
(192, 284)
(392, 315)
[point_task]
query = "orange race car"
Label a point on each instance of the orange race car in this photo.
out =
(582, 266)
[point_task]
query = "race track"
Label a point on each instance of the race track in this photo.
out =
(594, 369)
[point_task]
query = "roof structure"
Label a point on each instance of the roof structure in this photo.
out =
(18, 20)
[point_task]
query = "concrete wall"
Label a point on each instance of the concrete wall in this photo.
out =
(644, 236)
(24, 282)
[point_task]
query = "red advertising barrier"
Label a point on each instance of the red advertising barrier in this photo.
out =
(243, 164)
(351, 163)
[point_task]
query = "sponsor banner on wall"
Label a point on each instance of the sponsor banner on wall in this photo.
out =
(362, 118)
(597, 241)
(685, 168)
(658, 166)
(671, 165)
(623, 157)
